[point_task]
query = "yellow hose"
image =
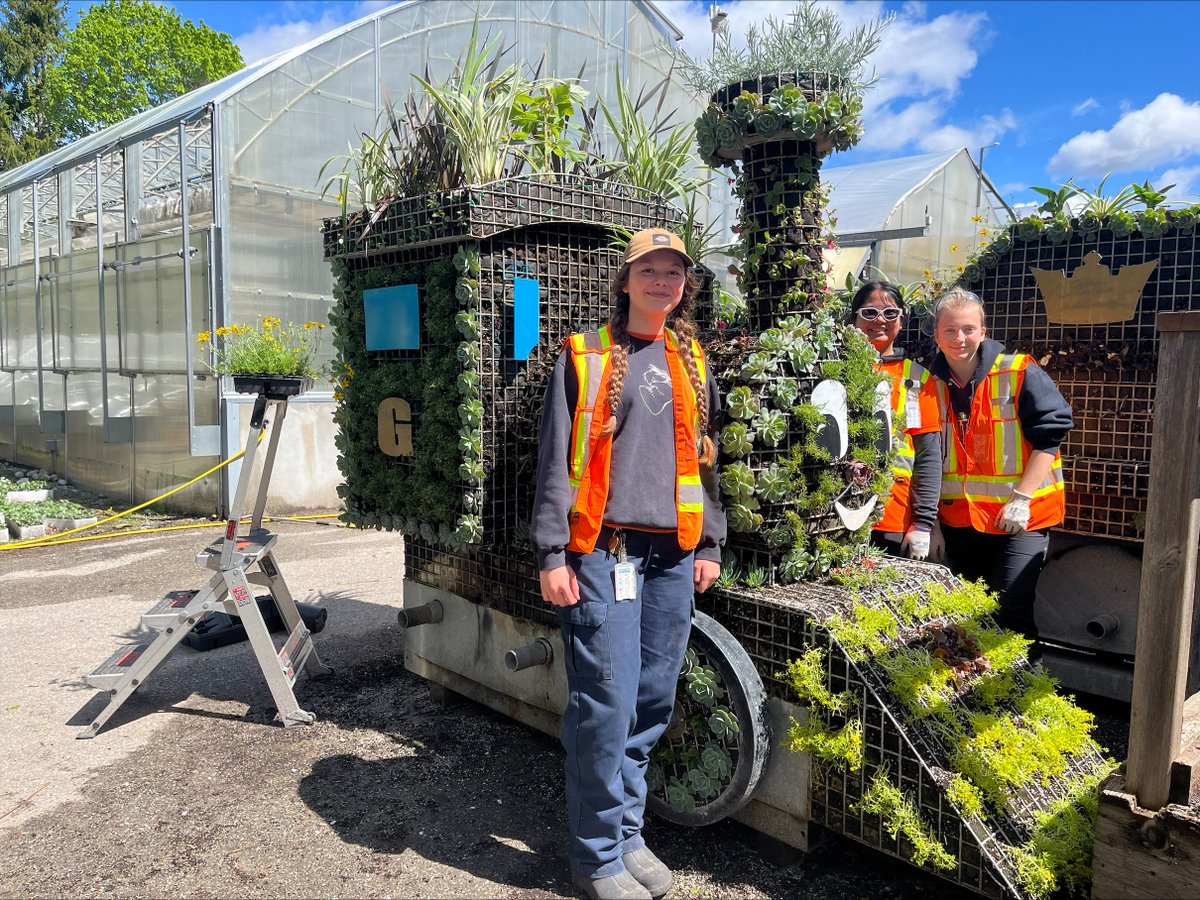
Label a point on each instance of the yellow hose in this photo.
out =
(58, 538)
(53, 541)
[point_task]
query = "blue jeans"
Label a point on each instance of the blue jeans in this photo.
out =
(623, 661)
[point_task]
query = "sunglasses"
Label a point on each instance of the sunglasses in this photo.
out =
(871, 313)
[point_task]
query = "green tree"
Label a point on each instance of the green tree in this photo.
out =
(30, 39)
(126, 56)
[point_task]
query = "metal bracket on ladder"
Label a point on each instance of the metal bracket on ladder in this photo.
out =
(228, 590)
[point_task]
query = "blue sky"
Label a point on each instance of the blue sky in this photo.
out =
(1068, 89)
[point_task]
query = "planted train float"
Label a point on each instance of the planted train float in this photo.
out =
(823, 684)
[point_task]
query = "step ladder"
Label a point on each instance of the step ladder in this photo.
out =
(239, 561)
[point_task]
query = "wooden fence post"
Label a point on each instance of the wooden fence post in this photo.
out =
(1168, 564)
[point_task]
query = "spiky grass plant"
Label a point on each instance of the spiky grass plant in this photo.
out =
(812, 42)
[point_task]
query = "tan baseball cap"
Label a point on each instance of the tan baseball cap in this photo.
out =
(655, 239)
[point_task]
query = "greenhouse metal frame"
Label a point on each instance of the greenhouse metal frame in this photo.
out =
(117, 250)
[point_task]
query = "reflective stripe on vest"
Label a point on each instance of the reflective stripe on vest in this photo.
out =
(906, 406)
(590, 354)
(907, 400)
(977, 480)
(588, 464)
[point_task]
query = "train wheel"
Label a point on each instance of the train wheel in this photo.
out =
(715, 750)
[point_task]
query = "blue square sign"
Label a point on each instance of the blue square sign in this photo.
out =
(393, 318)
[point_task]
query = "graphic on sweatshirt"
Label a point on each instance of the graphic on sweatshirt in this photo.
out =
(655, 390)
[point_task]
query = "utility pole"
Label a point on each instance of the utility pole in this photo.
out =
(718, 21)
(979, 183)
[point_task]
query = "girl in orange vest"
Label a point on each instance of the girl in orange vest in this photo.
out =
(1002, 490)
(909, 523)
(627, 524)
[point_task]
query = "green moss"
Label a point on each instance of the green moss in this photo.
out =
(863, 577)
(809, 679)
(430, 491)
(842, 746)
(924, 685)
(1058, 854)
(866, 633)
(965, 796)
(898, 815)
(1001, 751)
(970, 600)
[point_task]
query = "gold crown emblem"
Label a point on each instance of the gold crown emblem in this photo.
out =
(1092, 295)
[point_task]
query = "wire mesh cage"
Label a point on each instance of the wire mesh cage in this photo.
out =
(779, 624)
(563, 237)
(1105, 368)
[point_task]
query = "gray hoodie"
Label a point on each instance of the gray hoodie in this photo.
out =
(641, 491)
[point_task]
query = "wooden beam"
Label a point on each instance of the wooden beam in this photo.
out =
(1168, 580)
(1185, 770)
(1178, 321)
(1140, 854)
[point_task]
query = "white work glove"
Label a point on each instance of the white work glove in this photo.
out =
(937, 546)
(1014, 515)
(915, 544)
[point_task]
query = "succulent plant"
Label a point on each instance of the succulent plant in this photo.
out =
(1122, 223)
(1058, 229)
(741, 403)
(737, 480)
(773, 484)
(1030, 228)
(1153, 223)
(735, 439)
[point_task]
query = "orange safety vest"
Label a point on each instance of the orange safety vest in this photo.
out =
(591, 452)
(980, 468)
(915, 407)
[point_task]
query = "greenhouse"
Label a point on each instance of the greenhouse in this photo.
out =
(116, 251)
(897, 217)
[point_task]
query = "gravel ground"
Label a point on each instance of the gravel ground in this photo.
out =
(192, 791)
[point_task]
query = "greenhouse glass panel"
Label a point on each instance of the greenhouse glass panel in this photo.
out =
(154, 330)
(4, 230)
(77, 311)
(285, 125)
(20, 318)
(159, 203)
(92, 459)
(25, 225)
(28, 440)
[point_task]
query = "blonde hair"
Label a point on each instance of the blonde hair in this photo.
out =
(679, 321)
(958, 298)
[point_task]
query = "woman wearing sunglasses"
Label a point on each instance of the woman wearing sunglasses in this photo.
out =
(909, 521)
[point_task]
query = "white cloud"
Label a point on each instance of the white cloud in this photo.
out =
(890, 130)
(921, 59)
(1166, 130)
(1086, 106)
(920, 65)
(298, 28)
(1187, 184)
(950, 137)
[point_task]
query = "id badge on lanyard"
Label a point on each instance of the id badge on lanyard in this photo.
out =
(624, 573)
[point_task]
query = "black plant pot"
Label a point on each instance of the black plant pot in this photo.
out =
(273, 387)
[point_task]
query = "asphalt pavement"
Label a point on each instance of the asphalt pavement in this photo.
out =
(192, 789)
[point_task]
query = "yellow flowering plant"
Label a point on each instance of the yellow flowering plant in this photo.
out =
(269, 348)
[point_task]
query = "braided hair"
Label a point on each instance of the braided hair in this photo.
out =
(680, 321)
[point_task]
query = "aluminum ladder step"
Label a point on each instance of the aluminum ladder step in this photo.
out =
(109, 673)
(295, 651)
(170, 610)
(247, 550)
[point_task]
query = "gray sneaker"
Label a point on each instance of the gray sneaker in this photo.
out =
(649, 871)
(621, 886)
